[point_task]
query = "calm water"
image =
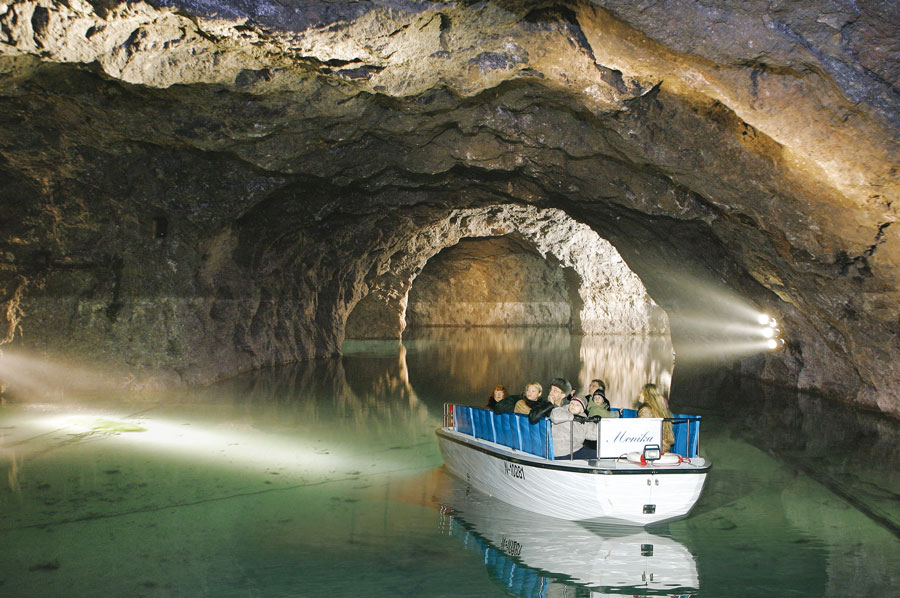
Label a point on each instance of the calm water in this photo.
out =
(324, 479)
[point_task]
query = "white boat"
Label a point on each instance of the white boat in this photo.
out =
(532, 555)
(507, 457)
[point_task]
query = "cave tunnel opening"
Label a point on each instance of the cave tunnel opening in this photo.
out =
(509, 275)
(505, 265)
(493, 281)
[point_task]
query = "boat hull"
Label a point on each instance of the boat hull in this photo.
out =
(612, 491)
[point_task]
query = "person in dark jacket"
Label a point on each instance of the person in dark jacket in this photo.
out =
(497, 395)
(556, 397)
(521, 403)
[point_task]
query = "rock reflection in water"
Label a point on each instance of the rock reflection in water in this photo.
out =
(472, 361)
(530, 555)
(626, 363)
(833, 478)
(854, 453)
(368, 384)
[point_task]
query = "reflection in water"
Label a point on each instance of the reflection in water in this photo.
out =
(533, 556)
(472, 361)
(368, 384)
(316, 479)
(801, 471)
(626, 363)
(854, 453)
(13, 475)
(312, 419)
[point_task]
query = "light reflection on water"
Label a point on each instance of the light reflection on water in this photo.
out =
(324, 478)
(475, 360)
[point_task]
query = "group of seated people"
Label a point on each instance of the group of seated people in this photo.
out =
(570, 413)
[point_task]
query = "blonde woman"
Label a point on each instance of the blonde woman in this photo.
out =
(651, 403)
(529, 398)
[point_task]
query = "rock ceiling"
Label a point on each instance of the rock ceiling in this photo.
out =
(193, 188)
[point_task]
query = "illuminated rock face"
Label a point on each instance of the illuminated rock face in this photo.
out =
(593, 290)
(491, 282)
(191, 197)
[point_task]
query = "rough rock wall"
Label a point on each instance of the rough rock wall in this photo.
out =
(609, 298)
(291, 148)
(490, 282)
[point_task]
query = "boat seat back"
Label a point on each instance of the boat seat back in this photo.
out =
(463, 420)
(528, 440)
(687, 435)
(507, 434)
(484, 425)
(509, 429)
(515, 431)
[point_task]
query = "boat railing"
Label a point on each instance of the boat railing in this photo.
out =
(687, 435)
(514, 430)
(508, 429)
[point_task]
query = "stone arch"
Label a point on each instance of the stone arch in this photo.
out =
(613, 297)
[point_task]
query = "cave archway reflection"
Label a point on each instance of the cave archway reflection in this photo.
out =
(480, 358)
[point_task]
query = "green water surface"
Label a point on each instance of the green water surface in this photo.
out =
(325, 479)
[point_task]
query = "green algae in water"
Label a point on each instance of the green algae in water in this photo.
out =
(111, 426)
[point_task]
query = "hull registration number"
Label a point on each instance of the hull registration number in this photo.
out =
(514, 470)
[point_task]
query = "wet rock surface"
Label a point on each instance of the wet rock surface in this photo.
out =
(194, 189)
(491, 282)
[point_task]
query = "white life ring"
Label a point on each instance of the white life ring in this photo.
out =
(637, 458)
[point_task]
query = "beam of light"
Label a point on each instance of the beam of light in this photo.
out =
(722, 327)
(717, 350)
(713, 298)
(713, 322)
(232, 445)
(44, 377)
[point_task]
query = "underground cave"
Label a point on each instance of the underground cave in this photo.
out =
(256, 196)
